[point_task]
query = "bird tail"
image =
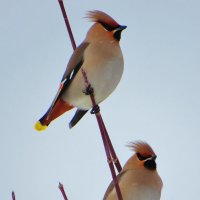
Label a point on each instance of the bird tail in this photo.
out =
(77, 117)
(58, 109)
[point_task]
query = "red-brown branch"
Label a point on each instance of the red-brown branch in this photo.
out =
(67, 24)
(61, 187)
(13, 195)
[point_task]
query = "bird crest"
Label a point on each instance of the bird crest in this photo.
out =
(142, 148)
(102, 18)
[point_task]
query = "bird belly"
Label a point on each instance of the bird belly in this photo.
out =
(103, 77)
(136, 192)
(142, 193)
(135, 185)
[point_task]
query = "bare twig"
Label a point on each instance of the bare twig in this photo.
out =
(62, 191)
(112, 151)
(67, 24)
(13, 195)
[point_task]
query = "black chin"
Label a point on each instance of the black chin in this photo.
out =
(150, 164)
(117, 35)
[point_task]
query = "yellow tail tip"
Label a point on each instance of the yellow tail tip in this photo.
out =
(39, 127)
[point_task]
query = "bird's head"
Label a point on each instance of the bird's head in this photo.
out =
(144, 156)
(105, 27)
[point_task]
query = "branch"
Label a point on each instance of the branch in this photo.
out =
(67, 24)
(13, 195)
(62, 191)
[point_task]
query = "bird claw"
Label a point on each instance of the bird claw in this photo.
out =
(89, 90)
(95, 109)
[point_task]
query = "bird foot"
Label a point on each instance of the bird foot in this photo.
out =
(89, 90)
(95, 109)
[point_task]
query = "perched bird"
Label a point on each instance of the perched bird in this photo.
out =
(139, 179)
(100, 56)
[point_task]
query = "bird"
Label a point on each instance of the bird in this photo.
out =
(101, 58)
(138, 179)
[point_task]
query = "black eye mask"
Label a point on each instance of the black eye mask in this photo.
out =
(140, 157)
(108, 27)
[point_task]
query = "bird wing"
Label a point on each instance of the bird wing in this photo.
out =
(112, 185)
(76, 59)
(73, 67)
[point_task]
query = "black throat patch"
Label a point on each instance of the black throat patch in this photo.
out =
(117, 35)
(150, 164)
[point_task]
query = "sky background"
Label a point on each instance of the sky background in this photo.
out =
(157, 100)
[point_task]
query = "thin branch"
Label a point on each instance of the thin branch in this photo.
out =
(112, 151)
(109, 159)
(13, 195)
(67, 24)
(62, 191)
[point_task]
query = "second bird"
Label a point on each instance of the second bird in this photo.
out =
(100, 56)
(139, 179)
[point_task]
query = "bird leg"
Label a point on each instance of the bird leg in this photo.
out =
(90, 91)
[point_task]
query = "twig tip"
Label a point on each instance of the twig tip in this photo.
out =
(13, 195)
(60, 185)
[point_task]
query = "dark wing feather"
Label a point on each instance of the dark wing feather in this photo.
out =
(73, 67)
(76, 118)
(76, 58)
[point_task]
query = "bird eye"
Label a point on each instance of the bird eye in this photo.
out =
(141, 157)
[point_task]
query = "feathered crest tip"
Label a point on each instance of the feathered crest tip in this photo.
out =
(101, 17)
(142, 148)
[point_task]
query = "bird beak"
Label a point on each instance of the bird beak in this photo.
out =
(154, 157)
(151, 158)
(121, 27)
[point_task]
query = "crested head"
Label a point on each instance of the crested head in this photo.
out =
(142, 148)
(144, 154)
(105, 27)
(102, 18)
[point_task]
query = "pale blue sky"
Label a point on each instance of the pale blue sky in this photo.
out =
(157, 100)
